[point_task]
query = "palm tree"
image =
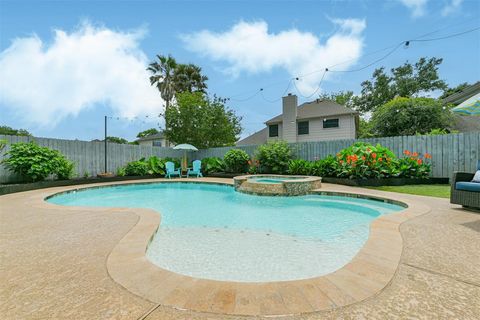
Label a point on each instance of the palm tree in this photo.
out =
(163, 72)
(188, 77)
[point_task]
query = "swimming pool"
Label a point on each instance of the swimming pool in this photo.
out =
(210, 231)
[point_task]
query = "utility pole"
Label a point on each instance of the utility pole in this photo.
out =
(105, 141)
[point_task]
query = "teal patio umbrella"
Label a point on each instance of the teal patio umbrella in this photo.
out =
(186, 147)
(469, 107)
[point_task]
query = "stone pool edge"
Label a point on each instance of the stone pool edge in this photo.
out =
(363, 277)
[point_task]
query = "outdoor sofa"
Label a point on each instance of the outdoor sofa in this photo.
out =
(464, 191)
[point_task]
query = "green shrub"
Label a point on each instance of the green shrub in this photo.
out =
(155, 165)
(362, 161)
(300, 167)
(236, 160)
(64, 169)
(137, 168)
(413, 166)
(121, 172)
(274, 157)
(212, 165)
(35, 163)
(326, 167)
(151, 166)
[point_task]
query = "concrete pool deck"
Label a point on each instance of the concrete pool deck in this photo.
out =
(53, 264)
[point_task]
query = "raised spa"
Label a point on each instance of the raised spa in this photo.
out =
(210, 231)
(274, 185)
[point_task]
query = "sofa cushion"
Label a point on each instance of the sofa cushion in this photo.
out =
(476, 178)
(468, 186)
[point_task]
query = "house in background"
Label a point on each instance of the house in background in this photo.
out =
(155, 140)
(317, 120)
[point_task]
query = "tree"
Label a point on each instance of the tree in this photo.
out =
(171, 78)
(345, 98)
(6, 130)
(404, 81)
(188, 77)
(201, 121)
(162, 77)
(147, 132)
(117, 140)
(409, 116)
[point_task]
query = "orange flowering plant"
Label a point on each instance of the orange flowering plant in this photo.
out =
(363, 160)
(413, 165)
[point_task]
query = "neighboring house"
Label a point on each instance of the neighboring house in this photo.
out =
(155, 140)
(464, 123)
(317, 120)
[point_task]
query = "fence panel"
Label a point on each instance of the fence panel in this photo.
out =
(449, 152)
(452, 152)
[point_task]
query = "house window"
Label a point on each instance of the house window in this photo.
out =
(330, 123)
(302, 127)
(273, 130)
(157, 143)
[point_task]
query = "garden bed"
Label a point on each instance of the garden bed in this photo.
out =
(27, 186)
(384, 182)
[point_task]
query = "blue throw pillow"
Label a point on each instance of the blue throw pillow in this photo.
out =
(476, 178)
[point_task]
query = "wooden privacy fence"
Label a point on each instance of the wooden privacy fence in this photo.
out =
(89, 156)
(450, 152)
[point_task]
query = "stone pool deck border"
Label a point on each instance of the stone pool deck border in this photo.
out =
(366, 275)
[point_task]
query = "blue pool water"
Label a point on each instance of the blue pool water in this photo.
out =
(211, 231)
(275, 180)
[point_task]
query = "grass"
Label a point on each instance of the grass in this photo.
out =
(432, 190)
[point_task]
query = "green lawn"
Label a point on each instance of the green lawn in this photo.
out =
(432, 190)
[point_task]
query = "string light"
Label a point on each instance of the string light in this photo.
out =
(405, 43)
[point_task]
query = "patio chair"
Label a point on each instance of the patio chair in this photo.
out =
(464, 191)
(170, 170)
(196, 170)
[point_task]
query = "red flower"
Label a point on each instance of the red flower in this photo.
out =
(363, 158)
(406, 152)
(428, 156)
(419, 161)
(415, 154)
(374, 155)
(380, 159)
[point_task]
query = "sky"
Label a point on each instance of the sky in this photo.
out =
(64, 65)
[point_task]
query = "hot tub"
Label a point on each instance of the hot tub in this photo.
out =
(272, 185)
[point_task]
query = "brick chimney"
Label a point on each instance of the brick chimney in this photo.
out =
(289, 125)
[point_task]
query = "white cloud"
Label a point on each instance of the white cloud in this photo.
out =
(44, 83)
(249, 47)
(451, 7)
(417, 7)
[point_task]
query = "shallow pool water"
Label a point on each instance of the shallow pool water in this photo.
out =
(271, 179)
(211, 231)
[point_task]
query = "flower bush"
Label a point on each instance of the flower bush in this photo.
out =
(236, 160)
(36, 163)
(412, 165)
(274, 157)
(364, 161)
